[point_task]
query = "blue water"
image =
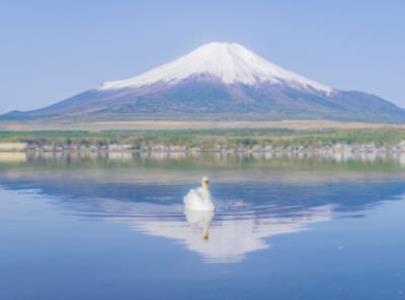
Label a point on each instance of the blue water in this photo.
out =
(113, 231)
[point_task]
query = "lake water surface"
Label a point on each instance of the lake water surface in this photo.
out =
(114, 227)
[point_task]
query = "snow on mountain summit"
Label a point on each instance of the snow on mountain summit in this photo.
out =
(229, 62)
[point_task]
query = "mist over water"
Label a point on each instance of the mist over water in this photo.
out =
(103, 226)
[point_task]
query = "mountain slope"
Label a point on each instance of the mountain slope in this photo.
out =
(218, 80)
(230, 63)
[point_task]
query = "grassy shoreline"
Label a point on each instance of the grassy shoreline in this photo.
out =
(206, 138)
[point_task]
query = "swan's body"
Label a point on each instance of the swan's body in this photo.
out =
(199, 199)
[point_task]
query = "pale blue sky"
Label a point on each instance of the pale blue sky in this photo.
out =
(53, 49)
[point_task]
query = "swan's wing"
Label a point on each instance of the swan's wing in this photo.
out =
(198, 199)
(192, 194)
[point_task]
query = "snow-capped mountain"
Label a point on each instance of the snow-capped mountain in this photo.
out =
(216, 81)
(230, 63)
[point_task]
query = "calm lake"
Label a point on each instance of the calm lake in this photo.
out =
(113, 227)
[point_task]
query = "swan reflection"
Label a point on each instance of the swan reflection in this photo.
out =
(226, 238)
(201, 220)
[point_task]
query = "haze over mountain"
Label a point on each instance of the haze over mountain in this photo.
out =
(217, 81)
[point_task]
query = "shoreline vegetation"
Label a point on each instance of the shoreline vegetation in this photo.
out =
(343, 140)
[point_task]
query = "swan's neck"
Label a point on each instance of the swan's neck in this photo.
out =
(205, 187)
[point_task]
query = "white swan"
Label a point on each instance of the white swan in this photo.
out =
(199, 199)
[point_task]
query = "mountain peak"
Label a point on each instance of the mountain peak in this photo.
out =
(231, 63)
(216, 81)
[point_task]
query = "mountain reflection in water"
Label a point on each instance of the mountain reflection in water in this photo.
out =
(231, 234)
(256, 199)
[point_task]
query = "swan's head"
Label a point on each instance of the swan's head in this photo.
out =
(205, 182)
